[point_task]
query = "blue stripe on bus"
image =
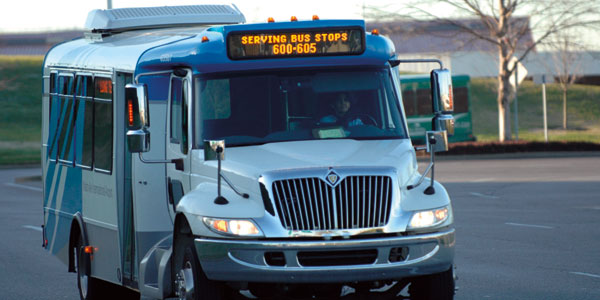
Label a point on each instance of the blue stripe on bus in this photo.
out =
(59, 216)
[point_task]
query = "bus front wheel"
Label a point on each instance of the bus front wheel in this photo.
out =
(433, 287)
(190, 281)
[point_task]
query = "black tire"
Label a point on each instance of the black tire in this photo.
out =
(88, 286)
(433, 287)
(187, 267)
(91, 288)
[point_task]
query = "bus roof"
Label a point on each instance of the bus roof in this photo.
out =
(203, 49)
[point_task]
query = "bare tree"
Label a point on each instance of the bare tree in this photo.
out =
(565, 62)
(501, 30)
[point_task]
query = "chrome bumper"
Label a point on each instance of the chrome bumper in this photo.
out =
(244, 260)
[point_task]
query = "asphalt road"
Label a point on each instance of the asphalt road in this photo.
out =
(526, 229)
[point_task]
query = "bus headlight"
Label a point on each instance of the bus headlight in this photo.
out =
(428, 218)
(232, 227)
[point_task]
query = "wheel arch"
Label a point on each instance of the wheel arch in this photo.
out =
(77, 230)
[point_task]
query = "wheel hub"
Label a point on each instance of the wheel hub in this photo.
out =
(184, 283)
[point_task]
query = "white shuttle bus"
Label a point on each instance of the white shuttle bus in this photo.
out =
(188, 155)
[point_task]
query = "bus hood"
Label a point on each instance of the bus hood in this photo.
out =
(250, 162)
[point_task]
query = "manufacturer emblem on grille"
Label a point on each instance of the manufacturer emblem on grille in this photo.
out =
(332, 178)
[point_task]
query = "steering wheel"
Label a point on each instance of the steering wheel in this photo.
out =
(365, 118)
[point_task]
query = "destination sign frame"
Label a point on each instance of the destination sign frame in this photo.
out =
(297, 42)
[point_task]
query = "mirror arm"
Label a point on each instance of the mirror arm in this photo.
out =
(431, 167)
(395, 62)
(412, 186)
(177, 161)
(244, 195)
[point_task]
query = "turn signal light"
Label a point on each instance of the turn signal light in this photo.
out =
(220, 225)
(88, 249)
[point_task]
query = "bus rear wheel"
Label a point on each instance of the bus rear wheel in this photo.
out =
(87, 285)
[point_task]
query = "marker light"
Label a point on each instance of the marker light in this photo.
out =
(88, 249)
(375, 32)
(315, 18)
(428, 218)
(130, 111)
(232, 227)
(204, 39)
(294, 19)
(271, 20)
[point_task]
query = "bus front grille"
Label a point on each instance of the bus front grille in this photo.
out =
(356, 202)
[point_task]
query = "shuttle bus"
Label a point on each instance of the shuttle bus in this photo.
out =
(187, 154)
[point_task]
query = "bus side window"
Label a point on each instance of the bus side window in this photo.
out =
(424, 102)
(84, 121)
(53, 116)
(461, 99)
(184, 116)
(176, 110)
(65, 123)
(408, 97)
(103, 124)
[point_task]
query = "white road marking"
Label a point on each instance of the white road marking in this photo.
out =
(36, 228)
(529, 225)
(22, 186)
(484, 196)
(484, 180)
(585, 274)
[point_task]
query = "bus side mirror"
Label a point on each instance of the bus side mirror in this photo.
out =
(138, 137)
(441, 91)
(443, 101)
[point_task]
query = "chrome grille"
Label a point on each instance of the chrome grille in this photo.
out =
(311, 204)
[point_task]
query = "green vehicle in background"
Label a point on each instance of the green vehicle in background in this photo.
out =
(416, 95)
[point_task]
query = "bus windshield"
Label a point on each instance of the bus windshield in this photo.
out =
(259, 108)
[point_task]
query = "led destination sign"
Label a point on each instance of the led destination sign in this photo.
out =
(313, 42)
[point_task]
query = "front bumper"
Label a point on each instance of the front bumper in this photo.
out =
(244, 260)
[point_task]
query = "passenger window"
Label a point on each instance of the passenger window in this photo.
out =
(408, 98)
(103, 124)
(54, 107)
(84, 121)
(461, 99)
(66, 119)
(424, 102)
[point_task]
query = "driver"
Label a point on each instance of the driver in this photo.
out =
(341, 105)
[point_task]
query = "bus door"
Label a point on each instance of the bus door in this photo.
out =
(125, 205)
(151, 219)
(178, 139)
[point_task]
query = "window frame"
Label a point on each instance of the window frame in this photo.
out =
(90, 101)
(97, 100)
(69, 96)
(52, 93)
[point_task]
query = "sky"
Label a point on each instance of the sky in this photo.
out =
(52, 15)
(41, 15)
